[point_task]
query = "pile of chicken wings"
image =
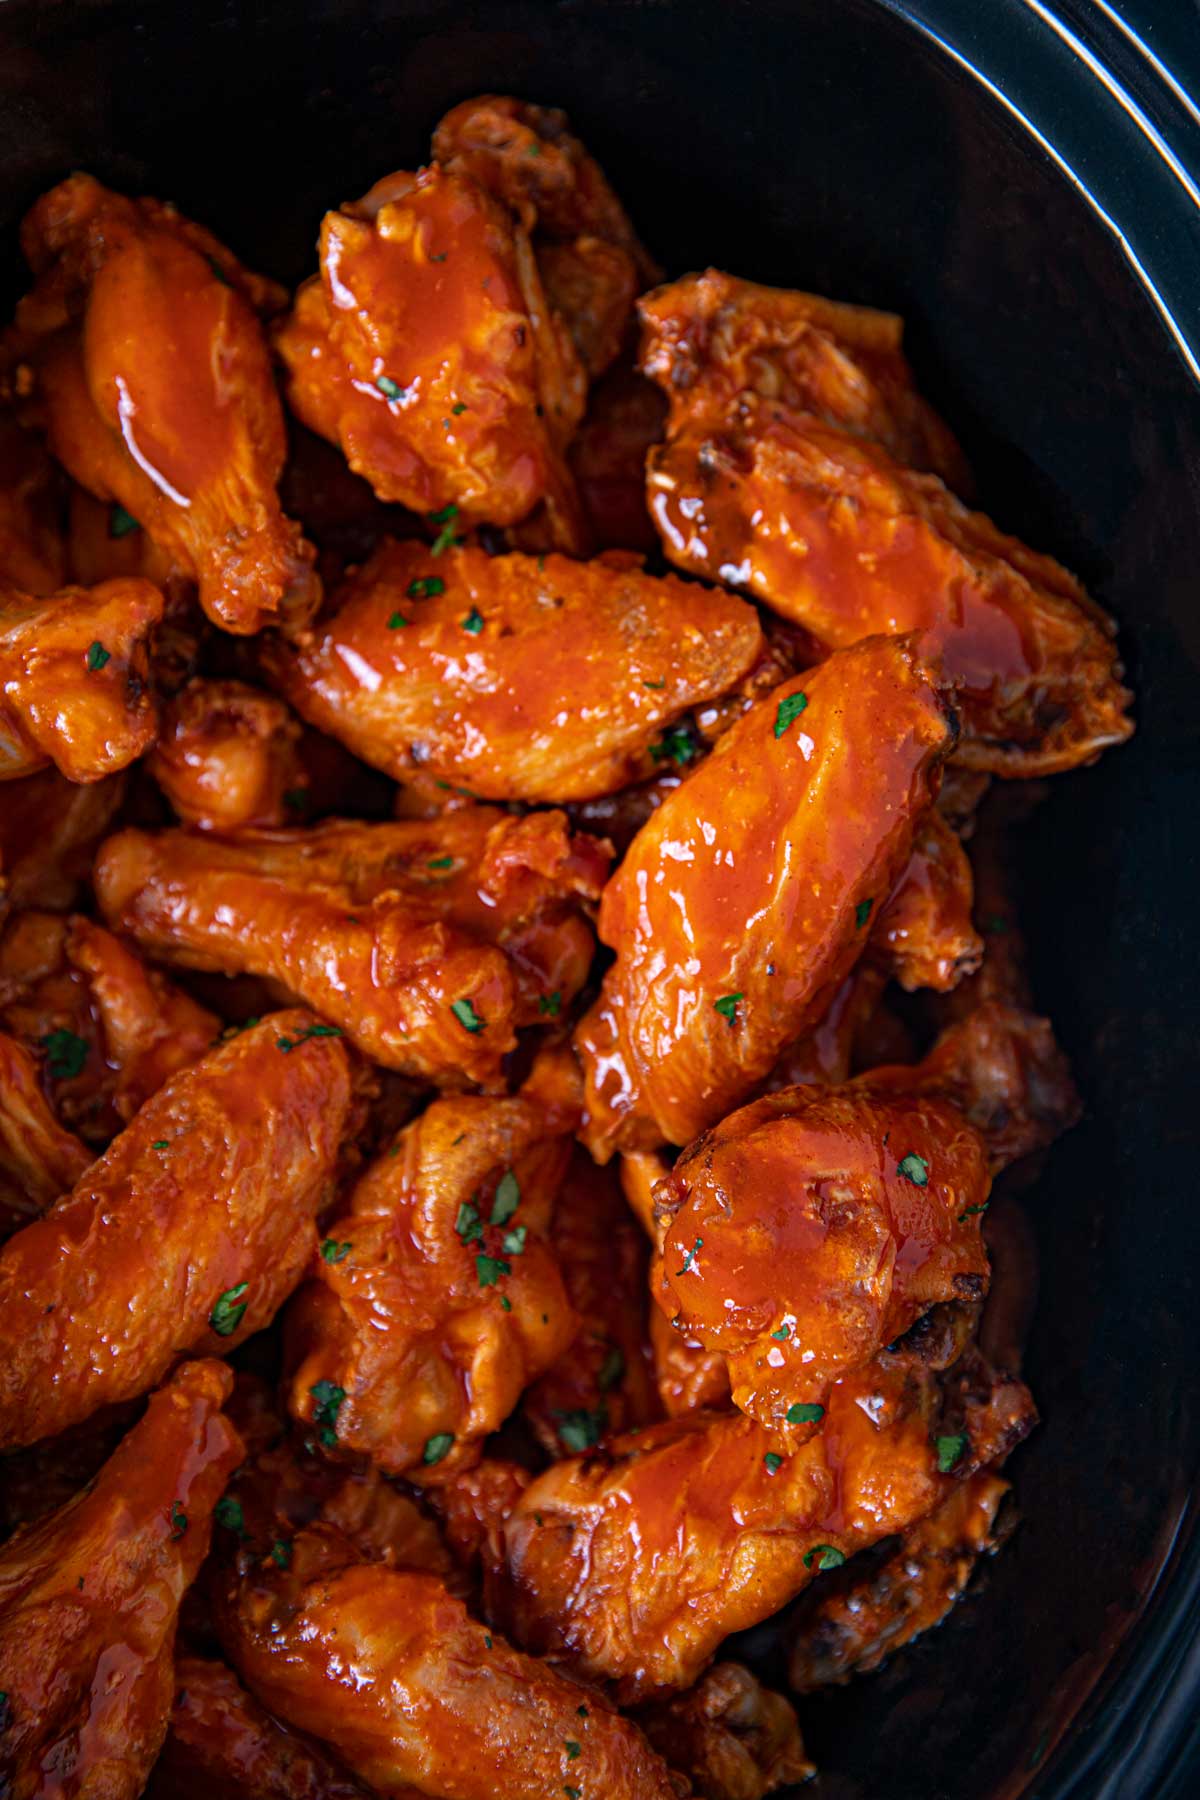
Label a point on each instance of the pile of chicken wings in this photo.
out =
(511, 1003)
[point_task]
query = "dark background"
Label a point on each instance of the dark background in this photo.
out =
(826, 144)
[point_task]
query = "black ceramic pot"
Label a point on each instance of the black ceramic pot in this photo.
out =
(1012, 176)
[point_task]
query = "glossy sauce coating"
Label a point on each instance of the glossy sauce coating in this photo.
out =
(439, 665)
(732, 1737)
(125, 1273)
(631, 1563)
(411, 1692)
(746, 887)
(38, 1159)
(924, 933)
(158, 393)
(813, 1227)
(75, 679)
(386, 929)
(227, 757)
(90, 1596)
(448, 1299)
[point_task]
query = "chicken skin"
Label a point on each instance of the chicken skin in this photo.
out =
(441, 1298)
(742, 903)
(89, 1600)
(733, 1738)
(49, 829)
(227, 757)
(75, 679)
(155, 382)
(857, 1623)
(426, 943)
(703, 1527)
(925, 934)
(417, 349)
(187, 1234)
(440, 1705)
(221, 1742)
(436, 666)
(38, 1159)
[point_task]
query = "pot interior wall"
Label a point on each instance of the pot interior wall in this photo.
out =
(825, 145)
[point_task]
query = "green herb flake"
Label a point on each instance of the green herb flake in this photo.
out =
(612, 1368)
(573, 1749)
(218, 272)
(489, 1269)
(534, 149)
(460, 406)
(391, 390)
(804, 1412)
(675, 744)
(281, 1553)
(487, 1642)
(439, 1445)
(583, 1712)
(580, 1430)
(825, 1556)
(333, 1252)
(468, 1224)
(508, 1198)
(950, 1452)
(445, 537)
(862, 913)
(788, 710)
(161, 1144)
(550, 1005)
(513, 1243)
(65, 1054)
(121, 523)
(655, 684)
(572, 1793)
(228, 1513)
(970, 1210)
(97, 656)
(690, 1258)
(914, 1168)
(772, 1462)
(440, 862)
(473, 622)
(329, 1398)
(466, 1015)
(505, 1303)
(396, 621)
(310, 1031)
(179, 1521)
(229, 1311)
(727, 1006)
(425, 587)
(783, 1333)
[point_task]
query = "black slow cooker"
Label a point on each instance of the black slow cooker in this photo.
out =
(1019, 179)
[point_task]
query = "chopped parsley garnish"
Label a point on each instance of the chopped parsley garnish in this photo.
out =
(950, 1452)
(508, 1198)
(161, 1144)
(573, 1749)
(473, 622)
(612, 1368)
(727, 1006)
(804, 1412)
(396, 620)
(772, 1462)
(460, 406)
(296, 799)
(549, 1005)
(439, 1445)
(232, 1031)
(783, 1334)
(281, 1553)
(121, 523)
(440, 862)
(333, 1252)
(390, 389)
(656, 684)
(97, 656)
(445, 537)
(583, 1712)
(229, 1311)
(981, 1208)
(466, 1015)
(534, 149)
(788, 710)
(229, 1514)
(505, 1303)
(425, 587)
(862, 913)
(582, 1429)
(218, 272)
(487, 1642)
(690, 1258)
(65, 1054)
(310, 1031)
(468, 1224)
(329, 1398)
(513, 1242)
(676, 744)
(179, 1520)
(825, 1556)
(914, 1168)
(572, 1793)
(489, 1269)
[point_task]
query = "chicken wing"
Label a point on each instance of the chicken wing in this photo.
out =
(703, 1527)
(733, 1738)
(441, 1297)
(852, 1625)
(602, 1381)
(227, 757)
(925, 935)
(742, 903)
(75, 679)
(439, 1703)
(90, 1596)
(38, 1159)
(49, 829)
(186, 1235)
(438, 666)
(473, 1505)
(156, 385)
(427, 943)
